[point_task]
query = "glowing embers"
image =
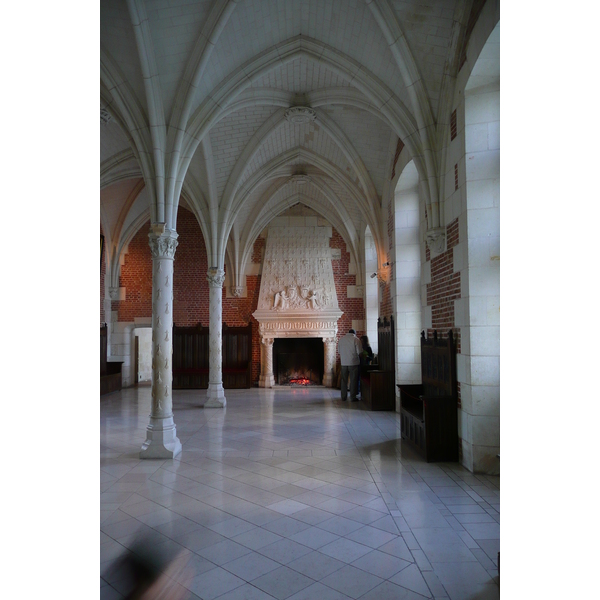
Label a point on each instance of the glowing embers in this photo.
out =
(298, 361)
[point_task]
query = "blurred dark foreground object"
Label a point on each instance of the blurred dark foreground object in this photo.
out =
(145, 573)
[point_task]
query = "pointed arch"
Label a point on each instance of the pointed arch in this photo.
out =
(116, 93)
(109, 173)
(377, 93)
(263, 213)
(156, 112)
(190, 81)
(398, 45)
(274, 169)
(336, 134)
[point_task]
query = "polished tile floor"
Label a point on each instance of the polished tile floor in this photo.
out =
(291, 494)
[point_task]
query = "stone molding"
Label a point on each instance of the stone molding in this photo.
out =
(215, 277)
(163, 245)
(298, 326)
(436, 240)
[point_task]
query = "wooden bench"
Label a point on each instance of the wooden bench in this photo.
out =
(377, 381)
(429, 411)
(110, 372)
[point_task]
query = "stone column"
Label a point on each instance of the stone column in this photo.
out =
(266, 363)
(328, 371)
(215, 394)
(161, 436)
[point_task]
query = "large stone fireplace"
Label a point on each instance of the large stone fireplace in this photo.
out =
(297, 296)
(298, 361)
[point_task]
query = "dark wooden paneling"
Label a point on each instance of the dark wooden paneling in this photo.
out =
(191, 357)
(377, 390)
(377, 381)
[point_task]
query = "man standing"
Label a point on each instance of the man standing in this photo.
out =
(350, 349)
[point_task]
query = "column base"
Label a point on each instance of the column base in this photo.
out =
(161, 439)
(266, 381)
(215, 396)
(328, 380)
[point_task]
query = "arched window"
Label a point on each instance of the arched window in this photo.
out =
(407, 276)
(371, 292)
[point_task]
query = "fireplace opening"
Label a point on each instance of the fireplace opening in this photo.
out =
(298, 361)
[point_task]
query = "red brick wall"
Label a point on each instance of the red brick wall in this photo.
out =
(102, 289)
(353, 308)
(237, 312)
(257, 252)
(444, 288)
(190, 288)
(136, 277)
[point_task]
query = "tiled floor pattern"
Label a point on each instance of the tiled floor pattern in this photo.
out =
(292, 494)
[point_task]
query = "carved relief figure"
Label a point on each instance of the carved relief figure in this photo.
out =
(281, 300)
(292, 294)
(313, 299)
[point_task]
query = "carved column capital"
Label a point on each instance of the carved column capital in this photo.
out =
(215, 277)
(113, 293)
(163, 244)
(236, 291)
(436, 239)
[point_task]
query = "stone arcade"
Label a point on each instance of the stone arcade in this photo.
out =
(225, 122)
(279, 170)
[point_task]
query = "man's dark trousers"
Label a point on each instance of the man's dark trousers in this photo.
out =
(352, 372)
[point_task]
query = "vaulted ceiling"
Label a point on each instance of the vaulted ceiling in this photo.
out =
(240, 109)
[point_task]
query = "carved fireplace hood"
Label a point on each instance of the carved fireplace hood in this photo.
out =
(297, 294)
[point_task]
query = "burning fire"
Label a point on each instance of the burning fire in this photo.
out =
(300, 381)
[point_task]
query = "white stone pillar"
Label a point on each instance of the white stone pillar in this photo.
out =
(161, 435)
(215, 394)
(329, 361)
(266, 378)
